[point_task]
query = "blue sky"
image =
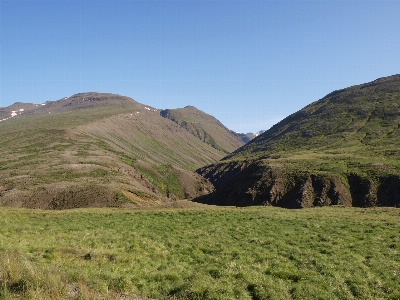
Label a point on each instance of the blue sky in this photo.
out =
(248, 63)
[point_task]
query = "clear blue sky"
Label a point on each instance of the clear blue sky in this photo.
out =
(248, 63)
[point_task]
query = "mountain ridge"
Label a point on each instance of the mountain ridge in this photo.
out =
(99, 149)
(205, 127)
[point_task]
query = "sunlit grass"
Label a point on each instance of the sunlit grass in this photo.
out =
(254, 253)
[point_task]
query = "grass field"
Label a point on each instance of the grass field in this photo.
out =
(216, 253)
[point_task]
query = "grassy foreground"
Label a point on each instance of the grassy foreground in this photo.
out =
(221, 253)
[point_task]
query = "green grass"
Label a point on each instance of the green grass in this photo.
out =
(164, 178)
(253, 253)
(347, 131)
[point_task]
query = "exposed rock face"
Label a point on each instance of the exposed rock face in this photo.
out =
(330, 191)
(245, 184)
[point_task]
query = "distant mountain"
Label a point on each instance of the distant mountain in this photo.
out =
(17, 108)
(75, 102)
(205, 127)
(247, 137)
(97, 149)
(342, 149)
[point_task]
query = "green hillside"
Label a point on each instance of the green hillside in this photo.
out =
(98, 150)
(342, 149)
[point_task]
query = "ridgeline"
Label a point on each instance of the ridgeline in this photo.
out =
(96, 149)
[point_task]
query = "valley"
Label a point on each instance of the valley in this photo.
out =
(103, 197)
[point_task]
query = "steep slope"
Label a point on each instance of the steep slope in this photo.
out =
(205, 127)
(342, 149)
(96, 149)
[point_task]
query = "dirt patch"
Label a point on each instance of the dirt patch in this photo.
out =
(193, 184)
(64, 196)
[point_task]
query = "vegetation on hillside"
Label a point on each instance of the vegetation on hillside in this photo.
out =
(92, 142)
(352, 121)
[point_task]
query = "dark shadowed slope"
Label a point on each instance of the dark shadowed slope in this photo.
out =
(205, 127)
(342, 149)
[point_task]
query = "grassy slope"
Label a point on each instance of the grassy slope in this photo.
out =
(263, 253)
(351, 130)
(95, 145)
(149, 137)
(205, 127)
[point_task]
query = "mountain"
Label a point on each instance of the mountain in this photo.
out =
(205, 127)
(342, 149)
(97, 149)
(17, 108)
(247, 137)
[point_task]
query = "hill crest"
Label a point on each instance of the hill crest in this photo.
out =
(74, 102)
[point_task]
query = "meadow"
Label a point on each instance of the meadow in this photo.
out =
(200, 253)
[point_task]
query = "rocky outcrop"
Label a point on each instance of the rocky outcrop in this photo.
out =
(257, 183)
(388, 191)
